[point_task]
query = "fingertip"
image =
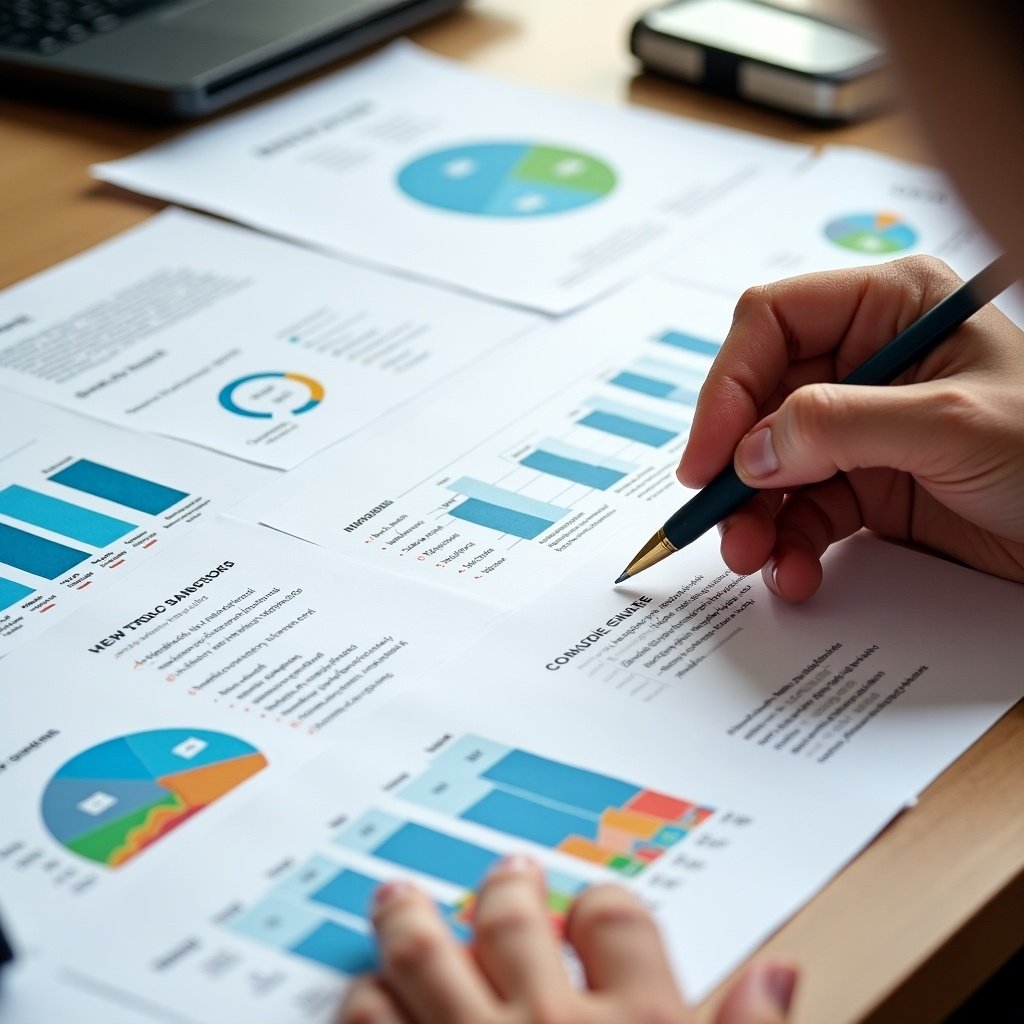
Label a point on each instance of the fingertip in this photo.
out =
(763, 995)
(795, 574)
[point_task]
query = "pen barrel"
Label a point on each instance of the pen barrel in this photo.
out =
(709, 506)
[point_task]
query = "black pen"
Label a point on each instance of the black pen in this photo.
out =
(727, 492)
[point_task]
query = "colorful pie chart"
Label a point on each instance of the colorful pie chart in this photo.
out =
(112, 801)
(872, 233)
(265, 395)
(507, 179)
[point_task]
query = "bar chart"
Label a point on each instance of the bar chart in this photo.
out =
(502, 510)
(659, 379)
(689, 343)
(594, 817)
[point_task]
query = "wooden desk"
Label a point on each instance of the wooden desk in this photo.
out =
(937, 902)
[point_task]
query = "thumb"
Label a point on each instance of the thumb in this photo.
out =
(761, 996)
(822, 429)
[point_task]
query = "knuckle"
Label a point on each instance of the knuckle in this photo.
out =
(924, 268)
(496, 925)
(811, 410)
(608, 907)
(648, 1009)
(752, 300)
(410, 951)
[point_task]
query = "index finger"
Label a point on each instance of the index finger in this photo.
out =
(816, 327)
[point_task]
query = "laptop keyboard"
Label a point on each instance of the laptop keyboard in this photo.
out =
(48, 26)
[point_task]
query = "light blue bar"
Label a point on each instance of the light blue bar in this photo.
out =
(448, 790)
(33, 554)
(508, 499)
(276, 922)
(500, 519)
(438, 855)
(645, 385)
(574, 787)
(684, 376)
(689, 342)
(518, 816)
(620, 426)
(12, 593)
(571, 451)
(62, 517)
(369, 830)
(314, 873)
(340, 948)
(121, 488)
(576, 472)
(631, 412)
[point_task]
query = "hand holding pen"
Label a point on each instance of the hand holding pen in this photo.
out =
(937, 460)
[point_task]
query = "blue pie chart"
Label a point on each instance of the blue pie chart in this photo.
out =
(507, 179)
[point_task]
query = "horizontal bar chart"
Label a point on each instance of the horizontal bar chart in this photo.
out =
(585, 814)
(689, 343)
(62, 517)
(631, 423)
(11, 593)
(133, 492)
(502, 510)
(36, 555)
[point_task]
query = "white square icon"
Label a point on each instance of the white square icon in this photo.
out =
(97, 803)
(189, 748)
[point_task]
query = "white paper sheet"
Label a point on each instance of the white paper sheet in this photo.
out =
(215, 335)
(421, 165)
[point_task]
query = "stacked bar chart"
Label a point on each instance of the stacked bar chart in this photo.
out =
(502, 510)
(631, 422)
(689, 343)
(593, 817)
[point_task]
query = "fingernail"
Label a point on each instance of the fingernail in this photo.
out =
(756, 454)
(770, 574)
(514, 864)
(386, 893)
(779, 984)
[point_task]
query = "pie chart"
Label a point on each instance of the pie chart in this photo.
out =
(880, 233)
(507, 179)
(110, 802)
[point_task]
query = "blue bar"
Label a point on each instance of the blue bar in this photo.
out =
(591, 458)
(438, 855)
(645, 385)
(512, 500)
(689, 342)
(630, 429)
(517, 816)
(12, 593)
(121, 488)
(574, 787)
(349, 891)
(339, 948)
(62, 517)
(631, 412)
(504, 520)
(569, 469)
(33, 554)
(684, 376)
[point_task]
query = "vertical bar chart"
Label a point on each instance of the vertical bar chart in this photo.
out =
(578, 465)
(62, 517)
(689, 343)
(125, 489)
(585, 814)
(502, 510)
(631, 423)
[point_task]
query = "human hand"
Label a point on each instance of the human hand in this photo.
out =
(515, 974)
(935, 459)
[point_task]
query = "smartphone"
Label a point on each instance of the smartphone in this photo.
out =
(767, 54)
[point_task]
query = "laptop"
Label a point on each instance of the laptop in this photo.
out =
(185, 58)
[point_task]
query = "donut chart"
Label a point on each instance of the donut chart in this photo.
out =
(113, 800)
(507, 179)
(873, 233)
(265, 395)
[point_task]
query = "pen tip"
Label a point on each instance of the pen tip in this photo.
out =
(624, 576)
